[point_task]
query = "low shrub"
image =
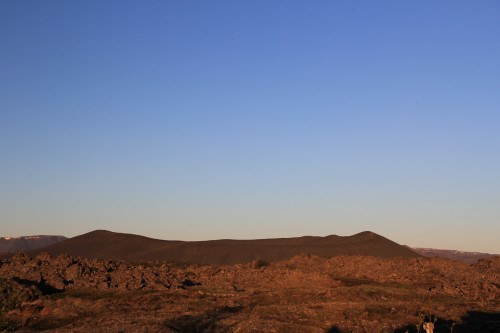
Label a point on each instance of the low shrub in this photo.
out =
(11, 296)
(261, 263)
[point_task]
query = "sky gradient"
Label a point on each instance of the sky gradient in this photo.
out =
(199, 120)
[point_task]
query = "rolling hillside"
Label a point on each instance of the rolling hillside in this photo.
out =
(108, 245)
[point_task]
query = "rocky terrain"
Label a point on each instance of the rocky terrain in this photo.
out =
(301, 294)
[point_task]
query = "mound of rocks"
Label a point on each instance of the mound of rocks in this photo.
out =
(53, 275)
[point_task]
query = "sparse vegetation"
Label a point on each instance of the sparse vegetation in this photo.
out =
(261, 263)
(11, 297)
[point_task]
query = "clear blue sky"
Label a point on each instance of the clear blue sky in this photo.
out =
(229, 119)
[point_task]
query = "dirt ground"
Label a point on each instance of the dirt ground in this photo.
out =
(302, 294)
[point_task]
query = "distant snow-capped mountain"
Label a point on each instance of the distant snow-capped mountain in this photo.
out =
(470, 257)
(24, 243)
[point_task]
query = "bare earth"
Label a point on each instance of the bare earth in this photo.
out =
(301, 294)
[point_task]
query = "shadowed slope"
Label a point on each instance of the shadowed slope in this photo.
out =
(102, 244)
(116, 246)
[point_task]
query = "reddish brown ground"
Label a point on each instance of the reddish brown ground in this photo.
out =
(302, 294)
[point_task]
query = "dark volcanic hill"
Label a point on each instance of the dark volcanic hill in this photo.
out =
(108, 245)
(14, 244)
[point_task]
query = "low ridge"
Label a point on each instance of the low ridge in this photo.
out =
(107, 245)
